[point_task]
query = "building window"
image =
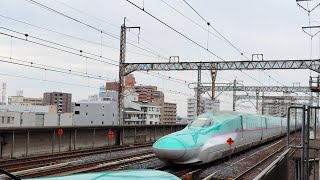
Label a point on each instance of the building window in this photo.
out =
(91, 122)
(87, 105)
(151, 116)
(112, 114)
(12, 119)
(102, 122)
(103, 106)
(2, 120)
(76, 104)
(86, 113)
(77, 112)
(8, 120)
(102, 114)
(21, 121)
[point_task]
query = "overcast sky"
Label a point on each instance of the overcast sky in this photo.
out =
(272, 28)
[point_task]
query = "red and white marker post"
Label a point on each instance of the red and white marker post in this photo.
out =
(230, 141)
(60, 133)
(110, 135)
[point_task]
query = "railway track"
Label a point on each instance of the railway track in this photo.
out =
(220, 168)
(76, 167)
(254, 170)
(250, 166)
(47, 160)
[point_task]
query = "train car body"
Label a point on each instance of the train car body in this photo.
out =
(204, 139)
(138, 174)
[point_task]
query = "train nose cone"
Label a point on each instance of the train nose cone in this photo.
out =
(169, 149)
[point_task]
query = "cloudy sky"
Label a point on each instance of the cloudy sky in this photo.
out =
(272, 28)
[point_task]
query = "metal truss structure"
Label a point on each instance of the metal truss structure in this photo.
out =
(248, 97)
(222, 66)
(257, 88)
(308, 64)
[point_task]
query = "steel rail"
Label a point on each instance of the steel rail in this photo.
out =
(69, 168)
(33, 162)
(260, 162)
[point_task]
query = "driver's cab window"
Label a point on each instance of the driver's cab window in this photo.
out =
(201, 122)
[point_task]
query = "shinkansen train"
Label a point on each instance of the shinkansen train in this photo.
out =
(137, 174)
(205, 138)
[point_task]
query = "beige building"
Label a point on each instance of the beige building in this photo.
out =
(169, 115)
(24, 100)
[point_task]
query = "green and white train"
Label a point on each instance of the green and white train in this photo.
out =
(204, 139)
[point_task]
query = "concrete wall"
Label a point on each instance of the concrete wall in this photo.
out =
(21, 142)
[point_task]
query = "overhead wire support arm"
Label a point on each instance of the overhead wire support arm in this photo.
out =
(311, 64)
(258, 88)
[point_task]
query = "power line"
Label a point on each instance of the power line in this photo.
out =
(38, 79)
(69, 17)
(188, 38)
(170, 27)
(73, 37)
(104, 21)
(197, 24)
(88, 25)
(59, 49)
(74, 49)
(31, 64)
(236, 48)
(79, 52)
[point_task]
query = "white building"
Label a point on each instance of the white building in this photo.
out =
(139, 112)
(95, 113)
(32, 119)
(208, 106)
(28, 108)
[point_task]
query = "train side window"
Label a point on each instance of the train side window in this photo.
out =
(241, 121)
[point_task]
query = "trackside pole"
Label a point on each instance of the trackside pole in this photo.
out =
(230, 141)
(230, 152)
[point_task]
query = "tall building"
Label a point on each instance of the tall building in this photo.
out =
(24, 100)
(208, 106)
(146, 93)
(277, 107)
(61, 100)
(169, 115)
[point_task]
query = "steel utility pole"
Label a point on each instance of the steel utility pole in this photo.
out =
(199, 107)
(122, 75)
(213, 81)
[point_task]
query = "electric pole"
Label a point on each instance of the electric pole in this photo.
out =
(122, 61)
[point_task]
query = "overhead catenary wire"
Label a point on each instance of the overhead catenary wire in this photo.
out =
(188, 38)
(88, 25)
(78, 52)
(78, 21)
(106, 22)
(32, 64)
(78, 38)
(228, 41)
